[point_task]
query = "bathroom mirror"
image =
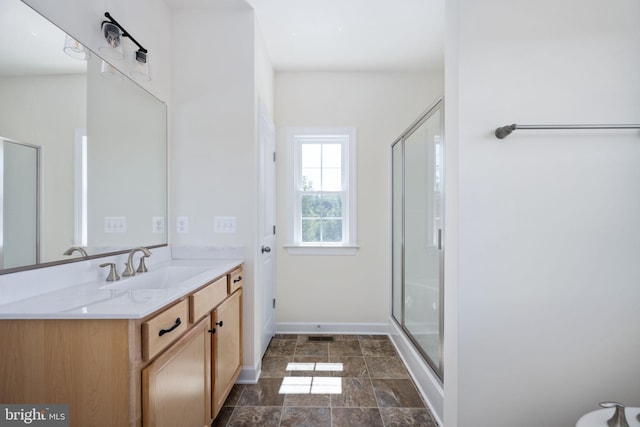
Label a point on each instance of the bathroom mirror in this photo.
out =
(101, 164)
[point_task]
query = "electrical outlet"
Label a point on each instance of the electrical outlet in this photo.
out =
(224, 224)
(157, 224)
(182, 225)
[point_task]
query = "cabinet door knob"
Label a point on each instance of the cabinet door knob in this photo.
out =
(265, 249)
(212, 331)
(220, 323)
(175, 325)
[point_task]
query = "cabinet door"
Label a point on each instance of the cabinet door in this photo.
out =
(176, 387)
(227, 348)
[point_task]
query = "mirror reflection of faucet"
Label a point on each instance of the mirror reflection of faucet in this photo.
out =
(73, 249)
(129, 270)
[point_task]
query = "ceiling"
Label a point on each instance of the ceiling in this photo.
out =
(346, 35)
(318, 35)
(30, 44)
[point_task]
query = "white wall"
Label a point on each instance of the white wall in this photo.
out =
(264, 74)
(214, 156)
(44, 111)
(549, 221)
(347, 289)
(127, 161)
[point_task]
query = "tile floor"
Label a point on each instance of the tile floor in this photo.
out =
(356, 380)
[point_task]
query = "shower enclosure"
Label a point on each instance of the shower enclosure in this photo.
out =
(417, 226)
(19, 207)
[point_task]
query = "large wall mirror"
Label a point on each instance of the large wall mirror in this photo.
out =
(83, 155)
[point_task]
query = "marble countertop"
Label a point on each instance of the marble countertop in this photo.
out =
(129, 298)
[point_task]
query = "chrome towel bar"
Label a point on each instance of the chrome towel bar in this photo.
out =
(504, 131)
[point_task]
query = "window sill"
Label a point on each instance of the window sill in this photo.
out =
(321, 250)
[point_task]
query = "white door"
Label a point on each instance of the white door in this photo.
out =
(266, 257)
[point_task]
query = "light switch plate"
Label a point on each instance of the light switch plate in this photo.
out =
(224, 224)
(115, 224)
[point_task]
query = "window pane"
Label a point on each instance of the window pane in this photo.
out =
(311, 206)
(311, 179)
(331, 179)
(311, 229)
(332, 155)
(332, 230)
(311, 155)
(331, 206)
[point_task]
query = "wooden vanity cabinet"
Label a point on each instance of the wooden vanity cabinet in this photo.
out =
(176, 386)
(227, 348)
(173, 368)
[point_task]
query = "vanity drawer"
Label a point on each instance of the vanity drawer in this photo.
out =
(235, 280)
(163, 329)
(203, 301)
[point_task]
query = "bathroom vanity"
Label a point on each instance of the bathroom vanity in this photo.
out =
(129, 353)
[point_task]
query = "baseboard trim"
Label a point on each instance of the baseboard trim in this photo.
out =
(249, 374)
(428, 384)
(332, 328)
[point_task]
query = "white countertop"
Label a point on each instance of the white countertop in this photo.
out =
(129, 298)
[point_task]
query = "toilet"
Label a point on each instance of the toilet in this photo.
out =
(600, 417)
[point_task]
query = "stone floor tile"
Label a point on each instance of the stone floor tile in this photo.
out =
(355, 392)
(403, 417)
(265, 393)
(400, 393)
(248, 416)
(356, 417)
(386, 367)
(306, 417)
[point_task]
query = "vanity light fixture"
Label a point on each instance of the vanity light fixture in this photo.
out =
(113, 33)
(75, 49)
(109, 71)
(113, 37)
(140, 66)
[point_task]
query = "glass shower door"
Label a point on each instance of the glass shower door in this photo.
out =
(418, 262)
(19, 235)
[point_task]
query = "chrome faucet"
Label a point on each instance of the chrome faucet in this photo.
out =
(73, 249)
(113, 274)
(618, 419)
(129, 270)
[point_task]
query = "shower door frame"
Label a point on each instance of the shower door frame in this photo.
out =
(438, 368)
(38, 195)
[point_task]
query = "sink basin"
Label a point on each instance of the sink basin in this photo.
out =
(171, 276)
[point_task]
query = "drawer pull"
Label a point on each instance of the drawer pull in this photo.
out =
(220, 323)
(237, 279)
(166, 331)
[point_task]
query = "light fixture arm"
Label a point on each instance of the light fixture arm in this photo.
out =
(124, 32)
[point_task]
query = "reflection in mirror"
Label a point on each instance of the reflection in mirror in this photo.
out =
(19, 186)
(102, 144)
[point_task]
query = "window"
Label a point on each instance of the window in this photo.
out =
(321, 191)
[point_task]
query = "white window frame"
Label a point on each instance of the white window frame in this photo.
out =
(294, 245)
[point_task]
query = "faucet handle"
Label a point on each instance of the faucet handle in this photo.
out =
(113, 274)
(142, 268)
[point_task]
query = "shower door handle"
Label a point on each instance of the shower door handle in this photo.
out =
(439, 239)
